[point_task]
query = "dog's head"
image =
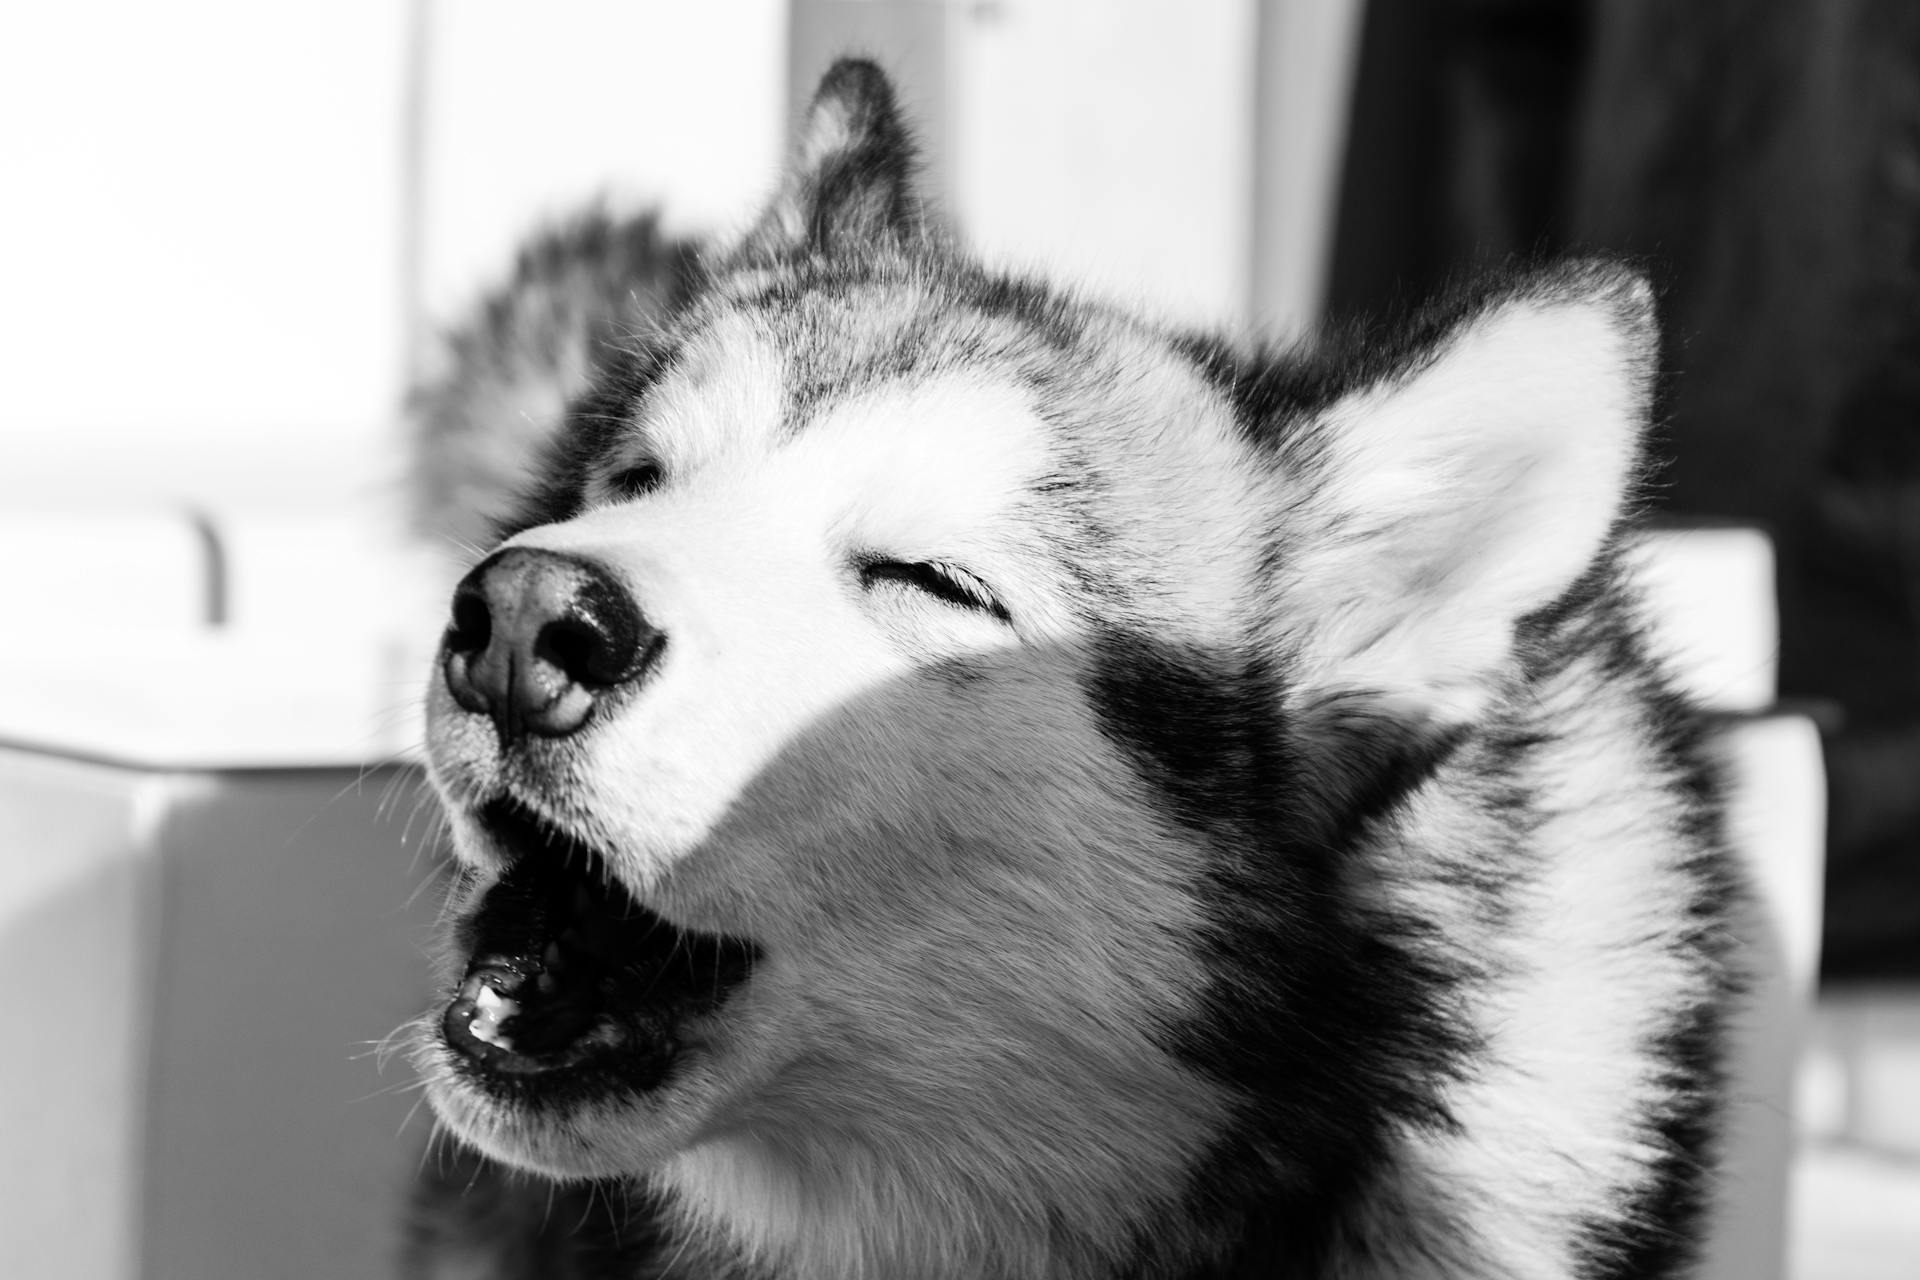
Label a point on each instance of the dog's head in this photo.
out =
(842, 752)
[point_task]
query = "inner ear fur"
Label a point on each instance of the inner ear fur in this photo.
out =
(852, 184)
(1427, 513)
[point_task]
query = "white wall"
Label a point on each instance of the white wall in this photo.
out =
(201, 222)
(220, 215)
(1113, 140)
(532, 109)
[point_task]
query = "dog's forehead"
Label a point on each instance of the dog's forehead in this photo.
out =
(1075, 393)
(886, 377)
(963, 437)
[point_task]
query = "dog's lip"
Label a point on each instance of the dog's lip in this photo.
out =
(568, 974)
(517, 826)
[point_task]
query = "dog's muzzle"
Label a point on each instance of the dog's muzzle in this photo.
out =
(539, 638)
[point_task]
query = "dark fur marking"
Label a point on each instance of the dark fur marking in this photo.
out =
(1331, 1027)
(1659, 1236)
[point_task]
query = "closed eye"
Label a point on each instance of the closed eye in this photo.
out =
(948, 583)
(641, 478)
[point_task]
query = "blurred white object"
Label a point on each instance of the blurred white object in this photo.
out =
(1777, 822)
(222, 640)
(1863, 1083)
(76, 577)
(1856, 1215)
(1709, 595)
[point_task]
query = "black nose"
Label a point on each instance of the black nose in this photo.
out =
(538, 637)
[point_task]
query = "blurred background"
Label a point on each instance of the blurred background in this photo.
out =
(233, 230)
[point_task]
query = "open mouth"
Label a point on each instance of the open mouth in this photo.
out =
(571, 984)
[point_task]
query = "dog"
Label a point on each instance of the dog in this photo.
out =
(947, 778)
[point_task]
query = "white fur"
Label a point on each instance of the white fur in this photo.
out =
(1468, 493)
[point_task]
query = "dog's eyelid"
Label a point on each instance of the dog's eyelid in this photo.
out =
(941, 579)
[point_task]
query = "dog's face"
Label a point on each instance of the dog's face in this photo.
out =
(811, 675)
(840, 758)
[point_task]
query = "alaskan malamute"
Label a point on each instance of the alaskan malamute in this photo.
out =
(949, 779)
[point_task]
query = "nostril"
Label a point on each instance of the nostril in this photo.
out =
(583, 652)
(597, 653)
(471, 629)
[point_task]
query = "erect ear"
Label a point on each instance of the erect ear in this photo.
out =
(1432, 510)
(851, 183)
